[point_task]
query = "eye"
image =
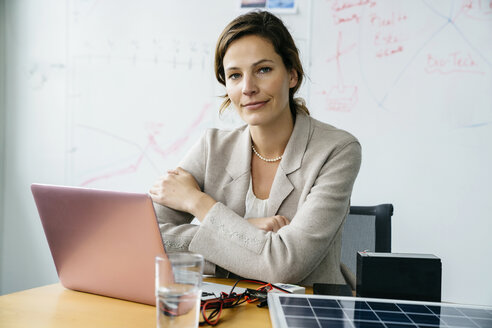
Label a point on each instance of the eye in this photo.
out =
(234, 76)
(264, 70)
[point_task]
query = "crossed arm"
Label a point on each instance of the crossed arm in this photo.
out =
(179, 190)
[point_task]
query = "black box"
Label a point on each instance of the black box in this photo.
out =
(332, 289)
(399, 276)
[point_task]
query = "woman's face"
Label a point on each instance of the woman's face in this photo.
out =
(257, 81)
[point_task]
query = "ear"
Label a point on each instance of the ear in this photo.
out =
(293, 78)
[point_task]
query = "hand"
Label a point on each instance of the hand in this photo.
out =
(177, 190)
(271, 223)
(180, 191)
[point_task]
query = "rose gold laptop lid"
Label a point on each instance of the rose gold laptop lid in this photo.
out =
(102, 242)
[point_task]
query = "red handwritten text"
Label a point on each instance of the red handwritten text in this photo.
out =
(346, 11)
(352, 18)
(389, 51)
(392, 20)
(343, 5)
(476, 9)
(455, 62)
(385, 38)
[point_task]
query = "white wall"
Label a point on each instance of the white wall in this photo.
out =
(109, 95)
(35, 135)
(2, 120)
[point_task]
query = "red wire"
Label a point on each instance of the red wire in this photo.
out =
(162, 308)
(232, 299)
(205, 317)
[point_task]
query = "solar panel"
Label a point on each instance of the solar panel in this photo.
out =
(306, 311)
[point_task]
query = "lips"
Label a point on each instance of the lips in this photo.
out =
(255, 104)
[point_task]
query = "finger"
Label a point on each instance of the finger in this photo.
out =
(281, 221)
(274, 224)
(180, 170)
(278, 226)
(285, 221)
(154, 197)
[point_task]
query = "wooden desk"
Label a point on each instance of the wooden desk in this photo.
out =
(55, 306)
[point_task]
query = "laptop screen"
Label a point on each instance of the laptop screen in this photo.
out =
(102, 242)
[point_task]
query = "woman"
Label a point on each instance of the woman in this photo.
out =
(272, 195)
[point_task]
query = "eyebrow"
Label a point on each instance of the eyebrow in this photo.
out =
(261, 61)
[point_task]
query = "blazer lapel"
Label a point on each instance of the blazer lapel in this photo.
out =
(239, 169)
(281, 188)
(291, 161)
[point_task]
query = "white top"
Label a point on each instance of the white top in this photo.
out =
(255, 208)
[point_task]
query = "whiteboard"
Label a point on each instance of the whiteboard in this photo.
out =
(411, 79)
(142, 86)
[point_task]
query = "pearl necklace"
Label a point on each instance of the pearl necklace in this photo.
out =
(266, 159)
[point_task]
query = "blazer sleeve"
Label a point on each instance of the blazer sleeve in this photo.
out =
(175, 226)
(299, 246)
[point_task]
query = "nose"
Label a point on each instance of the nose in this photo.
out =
(249, 85)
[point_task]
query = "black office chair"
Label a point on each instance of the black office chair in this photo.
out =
(366, 228)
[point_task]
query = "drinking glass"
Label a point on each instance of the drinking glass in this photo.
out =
(178, 289)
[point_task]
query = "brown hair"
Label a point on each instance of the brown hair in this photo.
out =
(271, 28)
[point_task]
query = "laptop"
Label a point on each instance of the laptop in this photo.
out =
(105, 242)
(102, 242)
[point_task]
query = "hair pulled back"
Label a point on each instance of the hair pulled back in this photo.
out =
(268, 26)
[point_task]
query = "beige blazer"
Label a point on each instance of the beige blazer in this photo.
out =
(312, 188)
